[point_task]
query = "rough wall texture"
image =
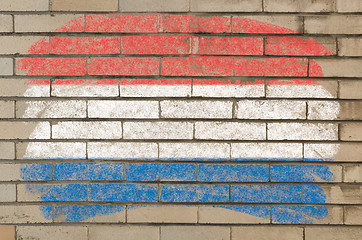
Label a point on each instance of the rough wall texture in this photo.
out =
(180, 119)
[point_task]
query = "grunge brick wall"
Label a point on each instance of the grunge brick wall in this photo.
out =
(108, 130)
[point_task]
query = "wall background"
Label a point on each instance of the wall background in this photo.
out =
(335, 23)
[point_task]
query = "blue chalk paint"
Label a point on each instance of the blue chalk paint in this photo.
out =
(194, 193)
(123, 192)
(77, 213)
(257, 211)
(298, 214)
(300, 173)
(233, 173)
(263, 193)
(160, 172)
(36, 172)
(59, 192)
(88, 171)
(47, 212)
(313, 193)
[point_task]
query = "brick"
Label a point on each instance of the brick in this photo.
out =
(197, 66)
(160, 172)
(52, 192)
(51, 109)
(156, 44)
(302, 131)
(161, 214)
(297, 46)
(277, 24)
(267, 233)
(7, 109)
(196, 109)
(323, 110)
(301, 89)
(194, 193)
(227, 88)
(93, 213)
(352, 215)
(337, 24)
(350, 131)
(84, 5)
(335, 194)
(155, 87)
(24, 88)
(104, 150)
(51, 66)
(127, 232)
(350, 110)
(122, 192)
(293, 67)
(343, 152)
(305, 173)
(299, 6)
(25, 130)
(7, 150)
(350, 89)
(123, 109)
(158, 130)
(194, 232)
(335, 68)
(194, 151)
(121, 23)
(84, 88)
(6, 23)
(85, 45)
(307, 215)
(226, 6)
(266, 151)
(18, 5)
(350, 46)
(332, 233)
(88, 171)
(123, 66)
(24, 45)
(7, 193)
(6, 66)
(49, 23)
(154, 6)
(233, 173)
(349, 6)
(227, 45)
(278, 193)
(27, 172)
(352, 173)
(194, 24)
(234, 214)
(87, 130)
(51, 150)
(7, 232)
(24, 214)
(230, 131)
(52, 232)
(271, 109)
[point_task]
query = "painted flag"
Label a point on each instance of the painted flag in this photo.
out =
(177, 112)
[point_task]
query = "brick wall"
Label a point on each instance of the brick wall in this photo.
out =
(180, 119)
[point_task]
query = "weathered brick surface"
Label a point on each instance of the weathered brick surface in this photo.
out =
(7, 193)
(6, 66)
(341, 24)
(127, 232)
(194, 233)
(47, 23)
(353, 173)
(351, 132)
(332, 233)
(84, 5)
(22, 214)
(18, 5)
(226, 6)
(350, 47)
(353, 215)
(264, 233)
(154, 6)
(7, 109)
(350, 6)
(350, 89)
(299, 6)
(52, 232)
